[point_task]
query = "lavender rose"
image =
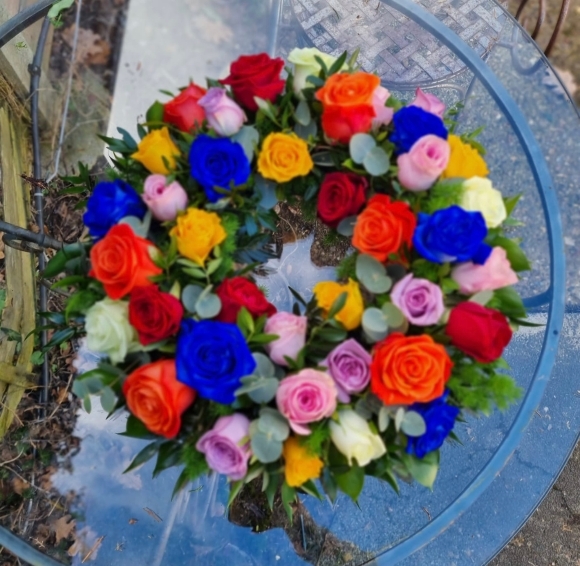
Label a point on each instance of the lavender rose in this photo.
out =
(419, 300)
(221, 112)
(221, 446)
(291, 330)
(163, 200)
(349, 365)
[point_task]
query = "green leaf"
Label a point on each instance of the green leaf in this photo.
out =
(59, 7)
(510, 302)
(271, 422)
(267, 191)
(376, 162)
(213, 265)
(154, 114)
(360, 146)
(352, 481)
(181, 482)
(510, 203)
(168, 456)
(108, 399)
(346, 226)
(260, 390)
(208, 305)
(58, 338)
(144, 455)
(288, 496)
(329, 484)
(515, 255)
(413, 424)
(384, 419)
(482, 297)
(305, 132)
(374, 324)
(337, 305)
(424, 470)
(310, 488)
(245, 323)
(136, 429)
(235, 488)
(267, 108)
(395, 318)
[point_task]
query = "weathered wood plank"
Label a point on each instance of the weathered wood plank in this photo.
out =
(19, 312)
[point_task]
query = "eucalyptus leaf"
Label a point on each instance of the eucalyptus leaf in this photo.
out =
(271, 422)
(346, 226)
(374, 320)
(482, 298)
(384, 419)
(249, 138)
(136, 225)
(372, 274)
(376, 162)
(305, 132)
(302, 113)
(267, 191)
(189, 297)
(399, 416)
(265, 448)
(393, 315)
(108, 399)
(361, 408)
(360, 146)
(423, 470)
(264, 366)
(413, 424)
(208, 305)
(266, 390)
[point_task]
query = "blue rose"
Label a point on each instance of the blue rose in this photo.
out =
(212, 357)
(110, 202)
(439, 418)
(412, 123)
(451, 234)
(218, 162)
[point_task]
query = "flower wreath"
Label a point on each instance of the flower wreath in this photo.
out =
(366, 378)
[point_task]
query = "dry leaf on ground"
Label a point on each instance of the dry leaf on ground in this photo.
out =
(63, 527)
(92, 49)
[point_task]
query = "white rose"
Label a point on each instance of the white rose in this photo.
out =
(305, 65)
(109, 331)
(480, 196)
(354, 438)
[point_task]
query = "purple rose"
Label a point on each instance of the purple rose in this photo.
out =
(349, 365)
(221, 446)
(419, 300)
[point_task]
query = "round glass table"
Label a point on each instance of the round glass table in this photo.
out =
(468, 52)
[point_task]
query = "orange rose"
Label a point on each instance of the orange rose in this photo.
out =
(409, 369)
(383, 227)
(348, 105)
(121, 261)
(156, 398)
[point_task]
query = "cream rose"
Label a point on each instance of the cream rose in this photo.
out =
(305, 65)
(109, 331)
(354, 438)
(480, 196)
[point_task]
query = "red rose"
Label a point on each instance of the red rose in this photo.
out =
(341, 195)
(255, 75)
(239, 292)
(154, 314)
(341, 123)
(183, 111)
(478, 331)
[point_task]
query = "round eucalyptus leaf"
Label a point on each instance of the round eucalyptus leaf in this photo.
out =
(136, 225)
(399, 416)
(302, 113)
(273, 423)
(189, 296)
(267, 191)
(346, 226)
(362, 410)
(374, 324)
(266, 390)
(360, 146)
(108, 399)
(376, 162)
(394, 317)
(384, 419)
(248, 137)
(304, 132)
(208, 305)
(413, 424)
(264, 367)
(371, 274)
(265, 448)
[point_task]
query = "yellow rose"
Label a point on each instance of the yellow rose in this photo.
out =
(350, 315)
(283, 157)
(306, 65)
(480, 196)
(299, 465)
(198, 232)
(464, 161)
(156, 145)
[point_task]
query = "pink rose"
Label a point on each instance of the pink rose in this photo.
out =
(423, 163)
(305, 397)
(428, 102)
(419, 300)
(221, 112)
(221, 446)
(164, 201)
(495, 273)
(383, 114)
(291, 330)
(349, 364)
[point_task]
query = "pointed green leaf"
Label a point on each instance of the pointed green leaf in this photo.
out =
(144, 455)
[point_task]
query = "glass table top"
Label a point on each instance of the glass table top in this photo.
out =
(488, 486)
